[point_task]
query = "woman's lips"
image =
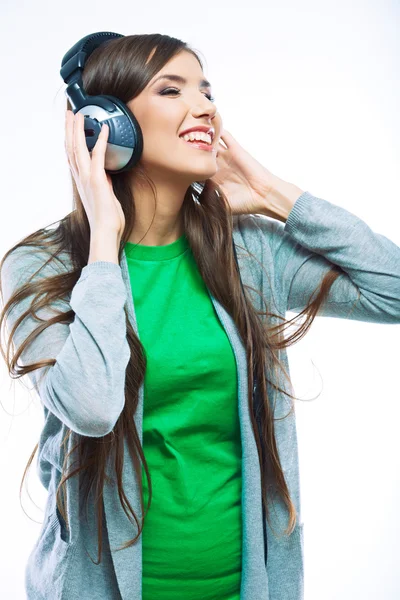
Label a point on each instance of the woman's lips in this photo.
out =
(200, 145)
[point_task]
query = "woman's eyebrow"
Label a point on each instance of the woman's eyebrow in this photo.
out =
(179, 79)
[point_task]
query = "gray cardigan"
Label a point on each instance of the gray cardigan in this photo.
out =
(84, 391)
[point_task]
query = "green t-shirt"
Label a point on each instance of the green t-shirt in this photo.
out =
(192, 536)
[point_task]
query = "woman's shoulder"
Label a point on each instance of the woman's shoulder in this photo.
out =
(25, 262)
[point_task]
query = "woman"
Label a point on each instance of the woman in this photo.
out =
(153, 453)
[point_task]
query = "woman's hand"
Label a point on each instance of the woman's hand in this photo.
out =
(244, 181)
(103, 209)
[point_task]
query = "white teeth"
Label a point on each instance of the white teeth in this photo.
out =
(197, 135)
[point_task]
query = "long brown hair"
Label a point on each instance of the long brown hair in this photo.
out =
(119, 68)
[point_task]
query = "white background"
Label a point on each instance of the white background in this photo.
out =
(311, 89)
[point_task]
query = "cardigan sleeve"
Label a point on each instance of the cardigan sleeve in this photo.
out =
(85, 387)
(319, 234)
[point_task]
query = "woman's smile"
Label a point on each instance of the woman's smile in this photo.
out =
(200, 145)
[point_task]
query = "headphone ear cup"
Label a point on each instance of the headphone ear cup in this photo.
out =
(125, 139)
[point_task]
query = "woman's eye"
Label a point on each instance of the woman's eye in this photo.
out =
(175, 91)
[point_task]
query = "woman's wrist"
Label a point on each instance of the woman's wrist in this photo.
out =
(279, 199)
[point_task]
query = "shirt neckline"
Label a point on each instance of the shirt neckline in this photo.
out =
(164, 252)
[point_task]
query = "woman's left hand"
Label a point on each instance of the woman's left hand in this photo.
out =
(244, 181)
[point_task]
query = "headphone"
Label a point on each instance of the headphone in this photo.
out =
(125, 138)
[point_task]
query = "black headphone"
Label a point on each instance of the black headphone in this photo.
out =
(125, 139)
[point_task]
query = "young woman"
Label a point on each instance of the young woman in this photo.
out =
(169, 447)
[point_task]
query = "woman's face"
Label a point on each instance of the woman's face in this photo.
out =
(163, 113)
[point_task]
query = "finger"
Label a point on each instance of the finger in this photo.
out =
(227, 137)
(69, 137)
(221, 143)
(100, 147)
(81, 151)
(222, 151)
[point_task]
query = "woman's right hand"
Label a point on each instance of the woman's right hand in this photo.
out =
(103, 209)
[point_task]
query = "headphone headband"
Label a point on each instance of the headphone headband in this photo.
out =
(76, 56)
